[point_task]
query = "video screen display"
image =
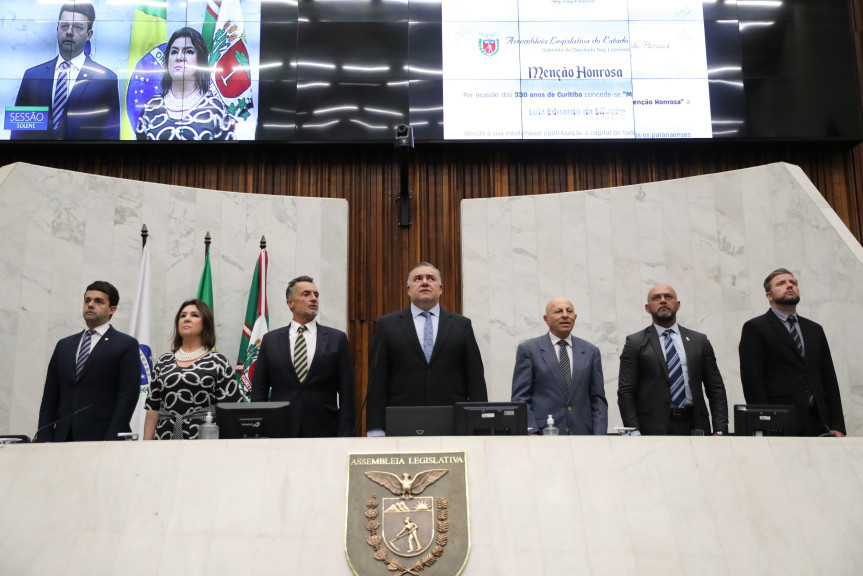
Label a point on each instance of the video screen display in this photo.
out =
(354, 70)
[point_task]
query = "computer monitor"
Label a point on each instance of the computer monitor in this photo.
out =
(490, 419)
(764, 420)
(253, 420)
(419, 421)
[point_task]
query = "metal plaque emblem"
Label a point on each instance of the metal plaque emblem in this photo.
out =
(407, 514)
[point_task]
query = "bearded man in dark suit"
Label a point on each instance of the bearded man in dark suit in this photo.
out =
(663, 370)
(785, 360)
(82, 95)
(92, 385)
(310, 366)
(422, 355)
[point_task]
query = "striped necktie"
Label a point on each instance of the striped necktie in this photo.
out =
(565, 368)
(675, 371)
(301, 360)
(83, 351)
(795, 336)
(61, 96)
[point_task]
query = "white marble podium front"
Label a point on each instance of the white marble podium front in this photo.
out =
(567, 505)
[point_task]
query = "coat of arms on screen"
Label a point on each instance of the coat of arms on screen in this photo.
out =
(407, 514)
(489, 46)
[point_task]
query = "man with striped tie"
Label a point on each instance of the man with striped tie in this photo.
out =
(663, 370)
(82, 95)
(308, 365)
(785, 360)
(92, 384)
(560, 375)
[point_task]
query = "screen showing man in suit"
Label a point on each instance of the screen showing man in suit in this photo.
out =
(663, 369)
(81, 96)
(560, 375)
(785, 359)
(92, 384)
(422, 355)
(308, 365)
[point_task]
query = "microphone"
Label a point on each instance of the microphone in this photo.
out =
(58, 420)
(369, 387)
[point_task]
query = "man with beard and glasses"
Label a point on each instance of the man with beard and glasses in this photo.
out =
(785, 359)
(663, 369)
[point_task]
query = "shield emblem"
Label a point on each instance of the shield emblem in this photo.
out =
(489, 46)
(407, 513)
(408, 526)
(232, 71)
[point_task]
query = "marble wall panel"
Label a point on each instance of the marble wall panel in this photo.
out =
(61, 230)
(713, 238)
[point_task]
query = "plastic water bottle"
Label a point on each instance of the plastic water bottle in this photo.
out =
(209, 430)
(550, 429)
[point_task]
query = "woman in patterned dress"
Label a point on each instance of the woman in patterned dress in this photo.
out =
(190, 380)
(186, 109)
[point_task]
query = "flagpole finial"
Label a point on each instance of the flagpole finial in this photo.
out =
(144, 234)
(263, 242)
(207, 241)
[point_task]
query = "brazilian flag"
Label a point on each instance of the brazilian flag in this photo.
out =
(146, 59)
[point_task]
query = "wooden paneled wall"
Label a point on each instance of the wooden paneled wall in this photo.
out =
(381, 252)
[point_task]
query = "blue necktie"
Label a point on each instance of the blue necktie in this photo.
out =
(428, 336)
(61, 95)
(83, 352)
(675, 371)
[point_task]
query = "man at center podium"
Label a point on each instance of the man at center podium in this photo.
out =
(422, 355)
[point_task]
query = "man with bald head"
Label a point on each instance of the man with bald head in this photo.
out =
(560, 375)
(663, 369)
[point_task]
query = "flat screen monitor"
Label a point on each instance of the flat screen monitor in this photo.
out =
(490, 419)
(764, 420)
(453, 70)
(253, 420)
(419, 421)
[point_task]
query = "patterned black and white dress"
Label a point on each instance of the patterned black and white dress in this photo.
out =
(207, 120)
(184, 395)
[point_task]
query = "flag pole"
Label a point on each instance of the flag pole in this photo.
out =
(263, 242)
(205, 285)
(140, 330)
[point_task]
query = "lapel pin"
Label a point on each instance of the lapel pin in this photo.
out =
(687, 338)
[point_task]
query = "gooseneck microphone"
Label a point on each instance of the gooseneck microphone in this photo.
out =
(58, 420)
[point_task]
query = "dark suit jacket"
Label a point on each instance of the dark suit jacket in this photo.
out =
(400, 376)
(644, 391)
(537, 380)
(93, 108)
(323, 405)
(106, 392)
(772, 372)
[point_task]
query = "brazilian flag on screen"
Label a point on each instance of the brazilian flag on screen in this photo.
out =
(146, 58)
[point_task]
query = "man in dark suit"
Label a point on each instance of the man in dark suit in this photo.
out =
(662, 371)
(82, 95)
(308, 365)
(423, 355)
(785, 359)
(560, 375)
(92, 384)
